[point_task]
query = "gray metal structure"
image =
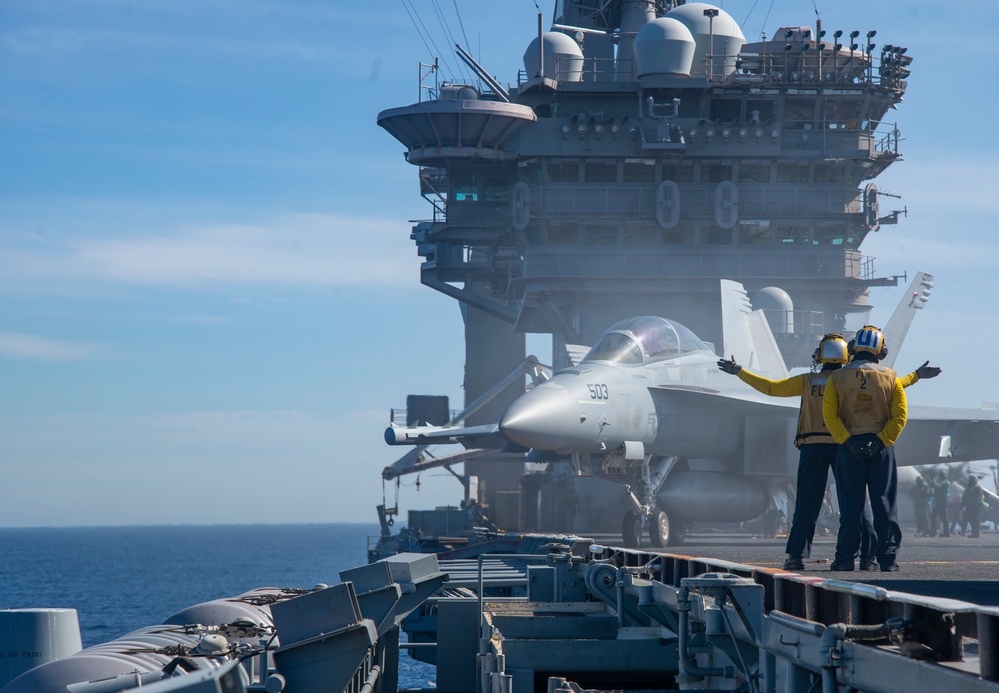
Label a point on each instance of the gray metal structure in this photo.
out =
(646, 152)
(560, 617)
(668, 622)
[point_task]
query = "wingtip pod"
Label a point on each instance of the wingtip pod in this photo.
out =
(390, 437)
(401, 435)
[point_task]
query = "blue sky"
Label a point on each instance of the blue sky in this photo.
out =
(208, 296)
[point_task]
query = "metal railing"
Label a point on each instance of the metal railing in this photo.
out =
(676, 262)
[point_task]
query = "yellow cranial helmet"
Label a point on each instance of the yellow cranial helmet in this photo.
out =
(869, 339)
(832, 349)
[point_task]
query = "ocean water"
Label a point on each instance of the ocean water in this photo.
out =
(122, 578)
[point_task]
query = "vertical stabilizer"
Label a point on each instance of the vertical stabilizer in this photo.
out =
(898, 326)
(746, 335)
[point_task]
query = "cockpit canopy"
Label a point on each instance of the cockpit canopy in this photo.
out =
(643, 339)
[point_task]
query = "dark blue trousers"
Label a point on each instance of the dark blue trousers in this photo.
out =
(814, 462)
(856, 481)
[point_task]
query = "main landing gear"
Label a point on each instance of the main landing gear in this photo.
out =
(661, 530)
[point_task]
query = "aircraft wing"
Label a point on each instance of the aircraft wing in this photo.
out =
(934, 435)
(484, 436)
(898, 325)
(753, 432)
(749, 401)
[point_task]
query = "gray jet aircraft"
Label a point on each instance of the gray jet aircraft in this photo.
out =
(648, 408)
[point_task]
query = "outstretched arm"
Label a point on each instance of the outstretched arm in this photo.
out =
(788, 387)
(924, 372)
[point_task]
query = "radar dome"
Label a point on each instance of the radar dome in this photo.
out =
(778, 308)
(664, 46)
(722, 31)
(563, 58)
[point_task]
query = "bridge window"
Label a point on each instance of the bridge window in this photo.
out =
(829, 235)
(561, 234)
(641, 234)
(531, 173)
(829, 173)
(681, 234)
(464, 189)
(535, 235)
(640, 172)
(679, 172)
(800, 111)
(840, 114)
(754, 173)
(854, 237)
(563, 172)
(715, 173)
(856, 174)
(726, 110)
(496, 190)
(754, 234)
(792, 173)
(716, 236)
(793, 235)
(600, 234)
(765, 108)
(600, 172)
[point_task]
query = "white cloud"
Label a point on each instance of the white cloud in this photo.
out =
(33, 347)
(292, 250)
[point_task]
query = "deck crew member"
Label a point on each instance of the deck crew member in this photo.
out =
(816, 447)
(971, 505)
(921, 502)
(865, 410)
(941, 499)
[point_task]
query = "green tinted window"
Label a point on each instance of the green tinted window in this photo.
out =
(793, 235)
(751, 234)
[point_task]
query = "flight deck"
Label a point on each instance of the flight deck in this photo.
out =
(955, 567)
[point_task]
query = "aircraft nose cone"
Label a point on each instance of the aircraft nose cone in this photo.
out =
(546, 418)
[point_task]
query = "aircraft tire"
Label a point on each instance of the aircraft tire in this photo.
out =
(660, 533)
(631, 530)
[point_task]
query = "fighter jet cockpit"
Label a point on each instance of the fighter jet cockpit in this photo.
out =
(644, 339)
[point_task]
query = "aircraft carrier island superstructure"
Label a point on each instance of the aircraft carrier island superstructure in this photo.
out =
(646, 152)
